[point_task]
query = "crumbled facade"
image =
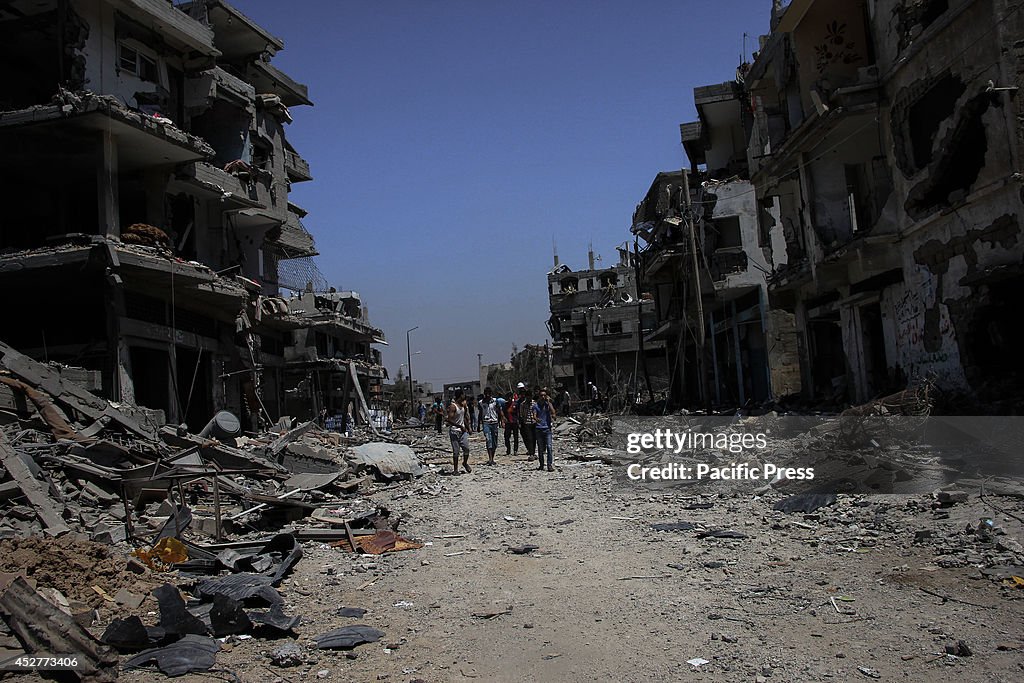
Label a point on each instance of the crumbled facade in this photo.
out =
(712, 305)
(147, 210)
(887, 136)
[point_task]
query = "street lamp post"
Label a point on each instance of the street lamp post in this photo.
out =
(408, 354)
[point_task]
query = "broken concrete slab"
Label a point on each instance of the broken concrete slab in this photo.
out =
(49, 512)
(389, 459)
(70, 394)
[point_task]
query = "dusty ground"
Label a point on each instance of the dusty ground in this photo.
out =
(607, 598)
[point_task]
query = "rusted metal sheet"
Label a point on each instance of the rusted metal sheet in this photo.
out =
(44, 628)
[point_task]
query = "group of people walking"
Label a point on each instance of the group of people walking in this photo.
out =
(527, 413)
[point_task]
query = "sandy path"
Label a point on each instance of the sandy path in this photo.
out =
(763, 613)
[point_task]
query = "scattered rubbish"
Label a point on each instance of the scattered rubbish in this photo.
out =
(191, 653)
(656, 576)
(403, 604)
(870, 673)
(673, 526)
(720, 533)
(523, 549)
(348, 637)
(131, 635)
(175, 618)
(805, 502)
(386, 541)
(288, 655)
(959, 649)
(390, 460)
(167, 551)
(492, 615)
(697, 662)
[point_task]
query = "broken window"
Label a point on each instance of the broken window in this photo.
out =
(916, 116)
(569, 285)
(134, 62)
(613, 327)
(262, 156)
(727, 231)
(609, 280)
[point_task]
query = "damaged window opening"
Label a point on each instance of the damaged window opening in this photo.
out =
(262, 156)
(963, 157)
(134, 62)
(727, 231)
(928, 113)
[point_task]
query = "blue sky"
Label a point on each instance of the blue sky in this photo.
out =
(452, 140)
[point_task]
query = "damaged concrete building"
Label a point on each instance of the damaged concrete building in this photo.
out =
(705, 259)
(887, 136)
(147, 220)
(856, 198)
(599, 318)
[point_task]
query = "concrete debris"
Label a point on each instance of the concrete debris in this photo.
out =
(287, 655)
(222, 518)
(388, 459)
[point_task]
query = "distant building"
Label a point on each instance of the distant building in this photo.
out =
(597, 323)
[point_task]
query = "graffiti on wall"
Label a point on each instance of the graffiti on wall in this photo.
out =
(925, 338)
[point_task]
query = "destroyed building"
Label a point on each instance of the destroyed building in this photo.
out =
(598, 321)
(886, 134)
(748, 350)
(147, 224)
(867, 163)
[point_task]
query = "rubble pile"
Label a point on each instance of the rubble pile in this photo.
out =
(107, 518)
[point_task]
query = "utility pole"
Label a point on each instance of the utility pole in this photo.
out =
(702, 369)
(638, 275)
(408, 356)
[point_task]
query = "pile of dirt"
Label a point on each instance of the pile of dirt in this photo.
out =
(72, 567)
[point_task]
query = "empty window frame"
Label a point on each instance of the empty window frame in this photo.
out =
(134, 62)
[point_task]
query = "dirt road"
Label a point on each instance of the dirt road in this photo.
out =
(835, 595)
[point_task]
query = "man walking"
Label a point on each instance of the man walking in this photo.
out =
(511, 425)
(458, 430)
(527, 418)
(492, 418)
(545, 414)
(595, 399)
